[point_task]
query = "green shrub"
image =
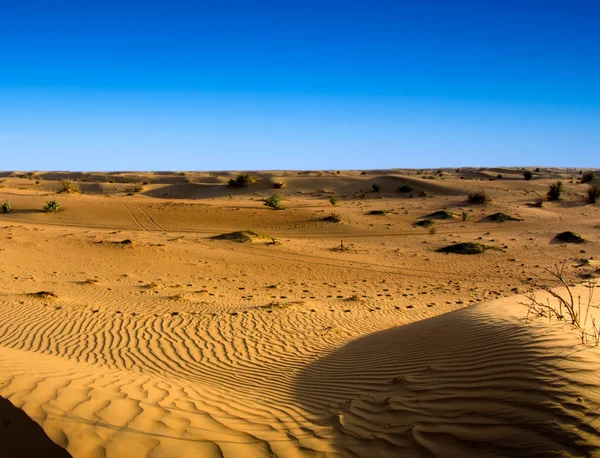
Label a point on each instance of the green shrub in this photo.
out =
(376, 187)
(500, 176)
(537, 169)
(68, 187)
(405, 187)
(333, 200)
(587, 177)
(273, 202)
(51, 206)
(593, 193)
(555, 190)
(528, 175)
(5, 207)
(278, 185)
(465, 216)
(243, 180)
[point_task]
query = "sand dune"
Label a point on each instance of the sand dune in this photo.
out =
(341, 339)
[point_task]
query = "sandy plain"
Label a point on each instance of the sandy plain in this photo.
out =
(158, 340)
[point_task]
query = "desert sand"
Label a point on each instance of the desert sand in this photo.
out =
(127, 329)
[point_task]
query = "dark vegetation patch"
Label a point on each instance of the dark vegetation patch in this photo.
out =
(569, 237)
(466, 248)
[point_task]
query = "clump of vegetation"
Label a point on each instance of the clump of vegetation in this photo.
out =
(333, 218)
(273, 202)
(441, 214)
(465, 216)
(44, 295)
(425, 223)
(501, 217)
(5, 207)
(243, 180)
(587, 177)
(333, 200)
(537, 169)
(570, 237)
(424, 194)
(51, 206)
(593, 193)
(278, 185)
(68, 187)
(479, 198)
(466, 248)
(528, 175)
(555, 190)
(378, 212)
(376, 187)
(405, 187)
(500, 176)
(241, 236)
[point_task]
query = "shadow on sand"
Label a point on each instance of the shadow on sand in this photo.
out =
(21, 437)
(456, 385)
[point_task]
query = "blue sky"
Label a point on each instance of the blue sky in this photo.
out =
(91, 85)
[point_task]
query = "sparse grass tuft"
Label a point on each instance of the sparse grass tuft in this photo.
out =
(376, 187)
(333, 200)
(5, 207)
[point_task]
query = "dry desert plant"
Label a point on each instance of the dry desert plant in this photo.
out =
(479, 198)
(566, 307)
(68, 187)
(5, 207)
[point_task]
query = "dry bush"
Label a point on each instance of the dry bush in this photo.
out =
(566, 307)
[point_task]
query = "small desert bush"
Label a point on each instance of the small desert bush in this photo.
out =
(528, 175)
(278, 185)
(273, 202)
(479, 198)
(376, 187)
(405, 187)
(465, 216)
(500, 176)
(333, 200)
(68, 187)
(555, 190)
(5, 207)
(593, 193)
(243, 180)
(51, 206)
(587, 177)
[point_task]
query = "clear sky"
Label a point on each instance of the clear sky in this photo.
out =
(162, 85)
